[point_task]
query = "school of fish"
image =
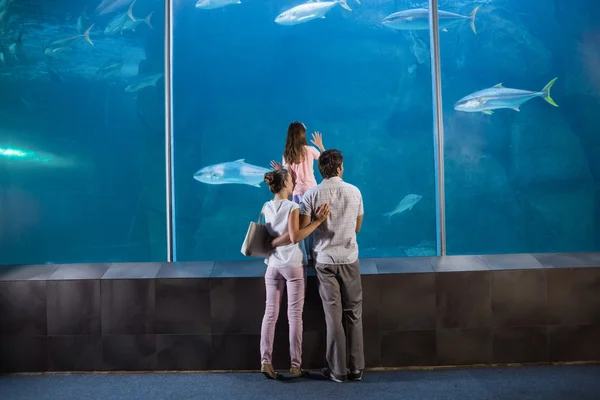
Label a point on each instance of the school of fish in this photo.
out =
(122, 21)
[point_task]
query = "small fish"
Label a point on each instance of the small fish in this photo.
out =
(308, 11)
(110, 68)
(116, 24)
(4, 15)
(498, 96)
(407, 203)
(146, 81)
(4, 4)
(16, 49)
(2, 58)
(108, 6)
(61, 45)
(212, 4)
(234, 172)
(82, 22)
(55, 76)
(418, 19)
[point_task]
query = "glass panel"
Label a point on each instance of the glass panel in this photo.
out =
(82, 132)
(241, 77)
(521, 173)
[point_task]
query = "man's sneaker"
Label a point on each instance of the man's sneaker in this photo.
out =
(330, 375)
(355, 375)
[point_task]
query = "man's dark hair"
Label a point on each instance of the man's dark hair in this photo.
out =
(329, 162)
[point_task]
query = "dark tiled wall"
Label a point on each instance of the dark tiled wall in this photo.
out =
(199, 316)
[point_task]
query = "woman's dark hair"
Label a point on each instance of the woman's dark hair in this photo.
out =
(293, 153)
(329, 163)
(276, 180)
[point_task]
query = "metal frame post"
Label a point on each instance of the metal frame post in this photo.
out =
(169, 129)
(438, 126)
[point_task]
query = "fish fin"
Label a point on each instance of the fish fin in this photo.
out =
(411, 206)
(147, 20)
(546, 92)
(86, 35)
(444, 30)
(409, 18)
(241, 160)
(487, 112)
(322, 16)
(498, 85)
(130, 11)
(388, 215)
(472, 16)
(257, 185)
(516, 108)
(344, 4)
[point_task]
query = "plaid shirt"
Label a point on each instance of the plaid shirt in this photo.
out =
(335, 239)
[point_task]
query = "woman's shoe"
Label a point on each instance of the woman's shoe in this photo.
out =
(297, 372)
(268, 371)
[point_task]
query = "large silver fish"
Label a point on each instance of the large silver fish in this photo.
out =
(149, 80)
(418, 19)
(132, 25)
(212, 4)
(498, 96)
(61, 45)
(407, 203)
(116, 24)
(108, 6)
(233, 172)
(308, 11)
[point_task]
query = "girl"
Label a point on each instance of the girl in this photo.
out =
(299, 158)
(285, 266)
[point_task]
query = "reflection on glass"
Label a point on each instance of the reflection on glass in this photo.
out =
(520, 121)
(243, 72)
(81, 131)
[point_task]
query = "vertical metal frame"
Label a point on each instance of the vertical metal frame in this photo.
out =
(438, 127)
(169, 129)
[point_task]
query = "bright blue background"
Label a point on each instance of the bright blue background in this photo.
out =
(515, 182)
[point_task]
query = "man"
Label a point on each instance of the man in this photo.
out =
(337, 265)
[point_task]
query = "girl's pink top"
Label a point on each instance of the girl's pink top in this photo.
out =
(305, 173)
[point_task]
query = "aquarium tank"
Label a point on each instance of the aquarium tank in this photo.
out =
(83, 123)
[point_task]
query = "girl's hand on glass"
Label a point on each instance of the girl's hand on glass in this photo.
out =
(276, 166)
(322, 212)
(317, 139)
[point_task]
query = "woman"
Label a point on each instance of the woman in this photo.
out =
(285, 267)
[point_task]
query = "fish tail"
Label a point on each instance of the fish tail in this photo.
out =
(472, 16)
(130, 11)
(147, 20)
(86, 35)
(344, 4)
(388, 215)
(546, 92)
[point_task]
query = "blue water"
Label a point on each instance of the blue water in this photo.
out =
(82, 175)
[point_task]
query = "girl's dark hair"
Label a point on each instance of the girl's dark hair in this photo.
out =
(329, 163)
(276, 180)
(293, 153)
